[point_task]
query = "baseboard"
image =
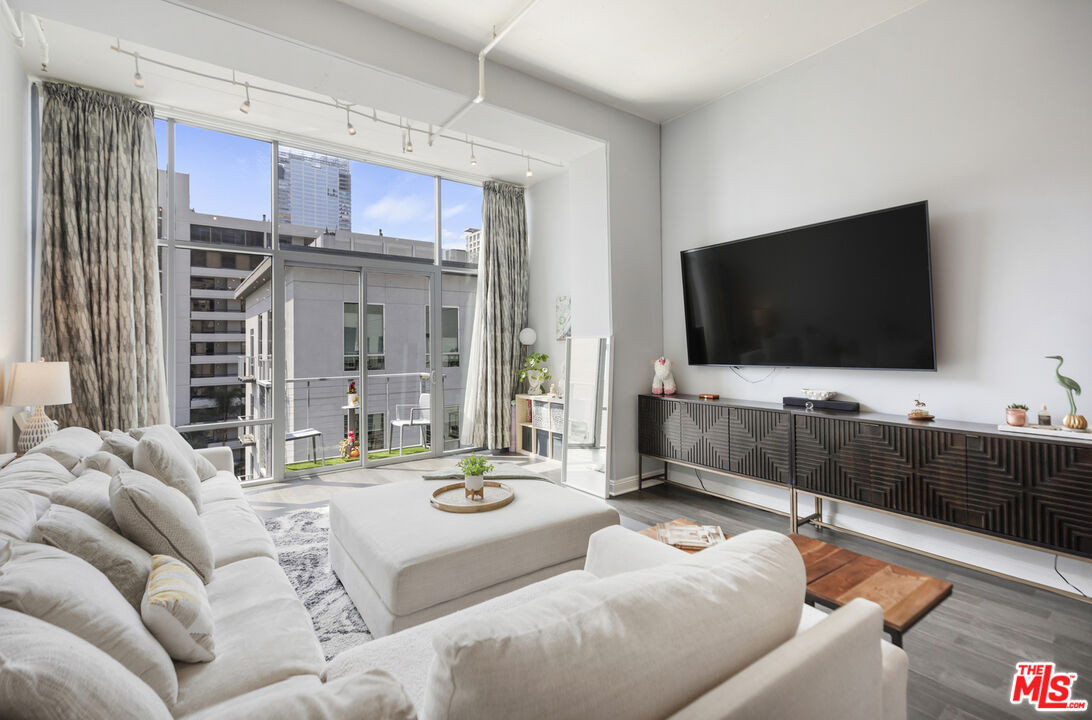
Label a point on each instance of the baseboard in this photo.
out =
(621, 486)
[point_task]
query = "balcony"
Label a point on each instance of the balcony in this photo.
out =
(256, 368)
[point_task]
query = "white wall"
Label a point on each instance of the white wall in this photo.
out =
(14, 222)
(981, 107)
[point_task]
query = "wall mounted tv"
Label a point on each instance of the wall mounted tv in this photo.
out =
(849, 293)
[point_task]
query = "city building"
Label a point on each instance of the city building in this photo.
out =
(313, 189)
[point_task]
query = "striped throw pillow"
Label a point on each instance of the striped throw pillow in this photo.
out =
(176, 609)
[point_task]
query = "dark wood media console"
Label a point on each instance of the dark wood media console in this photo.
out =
(970, 476)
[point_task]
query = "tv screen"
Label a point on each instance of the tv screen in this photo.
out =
(849, 293)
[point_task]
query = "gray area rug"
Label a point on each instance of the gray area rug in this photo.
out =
(301, 540)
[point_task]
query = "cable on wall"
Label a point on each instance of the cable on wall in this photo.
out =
(1065, 579)
(736, 369)
(403, 126)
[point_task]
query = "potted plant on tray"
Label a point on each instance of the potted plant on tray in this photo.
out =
(474, 467)
(1016, 415)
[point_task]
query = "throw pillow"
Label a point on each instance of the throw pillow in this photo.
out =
(157, 456)
(102, 461)
(124, 564)
(161, 520)
(742, 599)
(37, 473)
(205, 469)
(176, 609)
(19, 510)
(117, 442)
(47, 673)
(89, 493)
(69, 445)
(65, 591)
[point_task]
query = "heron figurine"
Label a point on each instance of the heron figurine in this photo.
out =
(1072, 421)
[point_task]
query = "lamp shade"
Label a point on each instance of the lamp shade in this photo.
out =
(527, 336)
(40, 383)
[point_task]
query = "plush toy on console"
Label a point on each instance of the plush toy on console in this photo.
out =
(663, 382)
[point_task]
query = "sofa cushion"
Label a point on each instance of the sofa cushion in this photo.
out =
(69, 445)
(37, 473)
(176, 609)
(19, 511)
(263, 636)
(47, 673)
(592, 649)
(65, 591)
(157, 455)
(222, 486)
(119, 443)
(235, 532)
(204, 468)
(373, 695)
(416, 556)
(102, 461)
(161, 520)
(124, 564)
(90, 494)
(408, 654)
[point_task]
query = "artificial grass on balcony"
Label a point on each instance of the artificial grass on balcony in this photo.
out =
(374, 455)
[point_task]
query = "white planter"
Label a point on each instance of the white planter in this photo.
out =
(354, 398)
(474, 483)
(535, 378)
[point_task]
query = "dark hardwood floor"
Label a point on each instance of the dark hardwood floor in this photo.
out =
(963, 654)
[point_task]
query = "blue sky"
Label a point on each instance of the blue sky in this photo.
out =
(229, 175)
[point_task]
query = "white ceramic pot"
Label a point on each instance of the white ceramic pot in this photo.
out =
(474, 482)
(354, 398)
(535, 378)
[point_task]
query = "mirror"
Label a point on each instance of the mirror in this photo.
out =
(587, 416)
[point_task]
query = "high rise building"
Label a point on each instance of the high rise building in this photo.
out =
(313, 190)
(473, 238)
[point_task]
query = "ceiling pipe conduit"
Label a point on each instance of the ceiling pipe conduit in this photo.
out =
(480, 97)
(11, 24)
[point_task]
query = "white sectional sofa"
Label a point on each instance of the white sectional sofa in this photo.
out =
(643, 631)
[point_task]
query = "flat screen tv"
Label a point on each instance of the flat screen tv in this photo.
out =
(849, 293)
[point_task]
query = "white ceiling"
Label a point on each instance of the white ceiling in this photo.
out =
(83, 56)
(653, 58)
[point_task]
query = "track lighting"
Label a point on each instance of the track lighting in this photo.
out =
(138, 79)
(409, 138)
(473, 160)
(530, 173)
(348, 122)
(245, 107)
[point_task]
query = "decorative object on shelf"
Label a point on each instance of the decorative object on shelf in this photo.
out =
(709, 396)
(564, 317)
(920, 412)
(1044, 416)
(535, 372)
(351, 394)
(1073, 421)
(815, 394)
(38, 383)
(1016, 415)
(663, 381)
(474, 467)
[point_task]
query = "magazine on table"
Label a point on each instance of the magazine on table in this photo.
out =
(690, 537)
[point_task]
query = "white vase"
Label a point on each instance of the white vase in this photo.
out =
(474, 483)
(535, 378)
(354, 398)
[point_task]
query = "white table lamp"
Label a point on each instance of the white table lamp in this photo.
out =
(39, 383)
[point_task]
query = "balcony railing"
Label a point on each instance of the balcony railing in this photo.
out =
(256, 368)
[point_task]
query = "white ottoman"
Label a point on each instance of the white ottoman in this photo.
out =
(404, 562)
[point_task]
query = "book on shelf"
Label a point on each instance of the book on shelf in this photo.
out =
(690, 537)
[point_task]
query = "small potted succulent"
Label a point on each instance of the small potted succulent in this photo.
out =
(535, 372)
(351, 393)
(474, 467)
(1016, 415)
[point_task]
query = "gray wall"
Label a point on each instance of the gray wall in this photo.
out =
(982, 107)
(14, 223)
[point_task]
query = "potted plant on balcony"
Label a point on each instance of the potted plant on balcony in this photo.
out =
(1016, 415)
(474, 467)
(535, 372)
(352, 395)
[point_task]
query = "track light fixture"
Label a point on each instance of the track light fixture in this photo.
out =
(409, 138)
(473, 160)
(138, 79)
(530, 172)
(348, 122)
(245, 106)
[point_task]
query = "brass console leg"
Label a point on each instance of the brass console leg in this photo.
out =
(792, 510)
(640, 472)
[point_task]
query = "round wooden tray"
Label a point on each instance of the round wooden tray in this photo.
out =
(452, 498)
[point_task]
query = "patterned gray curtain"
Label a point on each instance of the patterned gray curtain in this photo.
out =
(99, 271)
(499, 315)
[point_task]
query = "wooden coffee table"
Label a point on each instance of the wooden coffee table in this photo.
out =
(836, 575)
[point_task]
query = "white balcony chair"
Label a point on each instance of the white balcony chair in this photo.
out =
(414, 416)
